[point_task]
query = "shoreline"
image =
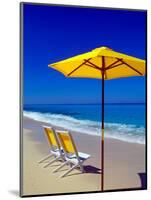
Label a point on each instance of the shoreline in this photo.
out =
(107, 136)
(123, 162)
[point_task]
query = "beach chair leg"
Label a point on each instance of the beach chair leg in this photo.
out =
(69, 171)
(60, 166)
(52, 161)
(82, 168)
(62, 159)
(45, 158)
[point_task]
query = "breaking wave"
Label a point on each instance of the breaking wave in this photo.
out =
(125, 132)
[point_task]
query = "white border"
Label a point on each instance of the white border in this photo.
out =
(9, 96)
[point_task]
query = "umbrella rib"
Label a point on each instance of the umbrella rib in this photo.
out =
(122, 62)
(113, 66)
(90, 65)
(105, 74)
(132, 68)
(78, 67)
(118, 60)
(94, 65)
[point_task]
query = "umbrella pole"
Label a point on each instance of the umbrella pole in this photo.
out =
(102, 145)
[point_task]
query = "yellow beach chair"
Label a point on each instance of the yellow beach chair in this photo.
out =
(72, 156)
(55, 149)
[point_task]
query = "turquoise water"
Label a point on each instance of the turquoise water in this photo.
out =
(122, 121)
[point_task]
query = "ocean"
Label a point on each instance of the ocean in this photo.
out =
(125, 122)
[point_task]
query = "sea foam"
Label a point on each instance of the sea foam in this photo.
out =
(125, 132)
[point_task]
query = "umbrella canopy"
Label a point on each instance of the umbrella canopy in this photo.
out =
(89, 65)
(101, 63)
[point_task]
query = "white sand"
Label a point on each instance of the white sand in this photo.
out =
(123, 162)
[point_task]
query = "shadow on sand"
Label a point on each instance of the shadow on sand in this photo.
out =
(87, 169)
(91, 169)
(143, 179)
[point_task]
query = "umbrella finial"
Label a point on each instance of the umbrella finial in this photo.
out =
(102, 48)
(107, 48)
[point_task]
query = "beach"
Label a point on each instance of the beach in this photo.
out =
(123, 162)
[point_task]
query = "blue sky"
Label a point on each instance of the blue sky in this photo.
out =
(53, 33)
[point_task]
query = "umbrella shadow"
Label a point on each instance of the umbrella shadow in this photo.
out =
(91, 169)
(143, 179)
(88, 169)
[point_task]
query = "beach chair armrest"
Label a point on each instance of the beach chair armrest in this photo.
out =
(84, 156)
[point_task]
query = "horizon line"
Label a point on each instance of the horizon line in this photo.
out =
(83, 103)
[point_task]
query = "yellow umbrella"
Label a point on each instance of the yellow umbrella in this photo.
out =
(101, 63)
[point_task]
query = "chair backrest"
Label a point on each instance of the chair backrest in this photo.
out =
(52, 138)
(67, 143)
